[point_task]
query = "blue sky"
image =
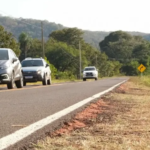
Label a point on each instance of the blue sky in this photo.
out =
(94, 15)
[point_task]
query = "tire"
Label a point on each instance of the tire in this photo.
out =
(44, 80)
(95, 79)
(11, 84)
(24, 83)
(20, 83)
(49, 81)
(84, 79)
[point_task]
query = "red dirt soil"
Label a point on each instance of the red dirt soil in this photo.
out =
(79, 120)
(91, 111)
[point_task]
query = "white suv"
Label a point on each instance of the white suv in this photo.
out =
(90, 72)
(36, 69)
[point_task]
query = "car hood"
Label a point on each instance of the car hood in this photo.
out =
(3, 62)
(31, 68)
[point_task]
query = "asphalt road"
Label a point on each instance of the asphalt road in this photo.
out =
(22, 107)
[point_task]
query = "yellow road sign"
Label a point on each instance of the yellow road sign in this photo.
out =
(141, 68)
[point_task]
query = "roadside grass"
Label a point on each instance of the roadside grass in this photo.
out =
(141, 80)
(123, 124)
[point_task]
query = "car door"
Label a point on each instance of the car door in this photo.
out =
(15, 64)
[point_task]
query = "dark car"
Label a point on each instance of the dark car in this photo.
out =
(36, 69)
(10, 69)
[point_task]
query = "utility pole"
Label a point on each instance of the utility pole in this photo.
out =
(96, 60)
(42, 39)
(80, 58)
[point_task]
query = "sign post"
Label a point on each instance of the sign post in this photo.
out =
(141, 68)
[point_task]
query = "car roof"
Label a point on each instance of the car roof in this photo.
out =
(30, 58)
(5, 49)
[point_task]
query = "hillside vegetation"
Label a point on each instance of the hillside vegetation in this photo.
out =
(113, 53)
(33, 28)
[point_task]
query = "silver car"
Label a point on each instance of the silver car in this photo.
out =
(10, 69)
(36, 69)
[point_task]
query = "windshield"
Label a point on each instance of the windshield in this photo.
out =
(88, 69)
(31, 63)
(3, 55)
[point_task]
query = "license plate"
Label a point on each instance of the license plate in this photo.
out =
(28, 77)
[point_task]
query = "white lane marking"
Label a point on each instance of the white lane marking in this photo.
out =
(19, 135)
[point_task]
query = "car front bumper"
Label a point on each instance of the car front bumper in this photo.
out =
(32, 77)
(89, 76)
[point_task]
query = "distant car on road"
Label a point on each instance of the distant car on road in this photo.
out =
(10, 69)
(36, 69)
(90, 72)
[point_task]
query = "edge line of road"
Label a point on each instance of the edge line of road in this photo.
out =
(19, 135)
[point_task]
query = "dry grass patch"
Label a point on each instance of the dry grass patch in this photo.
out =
(123, 123)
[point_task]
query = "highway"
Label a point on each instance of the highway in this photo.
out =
(22, 107)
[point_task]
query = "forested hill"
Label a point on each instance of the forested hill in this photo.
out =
(33, 27)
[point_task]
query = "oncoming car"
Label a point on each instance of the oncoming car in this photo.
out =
(90, 72)
(10, 69)
(36, 69)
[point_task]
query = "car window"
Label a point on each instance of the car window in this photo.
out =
(4, 55)
(88, 69)
(31, 63)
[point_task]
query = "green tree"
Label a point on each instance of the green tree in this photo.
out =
(35, 49)
(141, 51)
(130, 69)
(62, 56)
(71, 36)
(118, 45)
(8, 41)
(129, 50)
(25, 43)
(89, 54)
(106, 67)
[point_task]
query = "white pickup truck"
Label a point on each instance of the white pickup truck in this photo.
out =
(90, 72)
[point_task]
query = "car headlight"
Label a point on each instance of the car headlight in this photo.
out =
(39, 72)
(4, 67)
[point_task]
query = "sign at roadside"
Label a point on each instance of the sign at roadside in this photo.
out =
(141, 68)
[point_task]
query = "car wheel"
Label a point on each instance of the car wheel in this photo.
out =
(95, 79)
(19, 83)
(84, 79)
(24, 83)
(44, 80)
(49, 81)
(11, 84)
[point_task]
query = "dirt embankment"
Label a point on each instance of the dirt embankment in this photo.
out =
(119, 120)
(85, 117)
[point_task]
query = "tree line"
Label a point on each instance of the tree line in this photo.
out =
(33, 28)
(120, 53)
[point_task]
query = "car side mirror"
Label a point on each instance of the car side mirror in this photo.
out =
(14, 59)
(47, 65)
